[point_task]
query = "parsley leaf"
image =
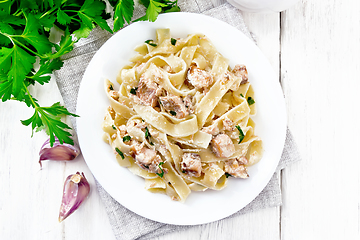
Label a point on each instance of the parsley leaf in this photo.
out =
(124, 11)
(241, 134)
(45, 69)
(147, 133)
(228, 175)
(250, 101)
(133, 91)
(173, 113)
(241, 95)
(151, 43)
(21, 63)
(153, 10)
(51, 118)
(120, 153)
(154, 7)
(113, 127)
(32, 36)
(173, 41)
(66, 45)
(126, 138)
(162, 171)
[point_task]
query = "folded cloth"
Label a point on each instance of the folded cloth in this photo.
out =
(121, 219)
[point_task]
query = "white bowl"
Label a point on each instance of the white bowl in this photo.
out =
(262, 5)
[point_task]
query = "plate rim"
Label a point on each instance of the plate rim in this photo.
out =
(101, 179)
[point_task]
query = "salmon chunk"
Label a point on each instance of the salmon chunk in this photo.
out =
(191, 164)
(188, 103)
(222, 145)
(199, 78)
(148, 91)
(236, 168)
(146, 158)
(175, 106)
(228, 124)
(212, 129)
(241, 71)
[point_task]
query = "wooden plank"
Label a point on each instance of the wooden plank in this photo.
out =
(320, 55)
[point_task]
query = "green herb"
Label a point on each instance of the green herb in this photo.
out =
(151, 143)
(173, 113)
(241, 95)
(154, 7)
(111, 87)
(173, 41)
(183, 171)
(120, 153)
(250, 101)
(162, 171)
(126, 138)
(228, 175)
(28, 57)
(147, 134)
(151, 43)
(241, 134)
(113, 127)
(133, 91)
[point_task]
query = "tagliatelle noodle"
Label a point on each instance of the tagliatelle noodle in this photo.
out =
(132, 123)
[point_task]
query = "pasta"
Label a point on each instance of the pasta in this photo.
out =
(181, 118)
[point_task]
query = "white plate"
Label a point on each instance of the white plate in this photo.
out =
(128, 189)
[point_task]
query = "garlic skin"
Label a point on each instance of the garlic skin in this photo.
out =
(76, 189)
(58, 152)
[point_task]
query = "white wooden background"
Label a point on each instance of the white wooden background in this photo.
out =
(315, 49)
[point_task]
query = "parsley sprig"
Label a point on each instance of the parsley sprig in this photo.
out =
(28, 57)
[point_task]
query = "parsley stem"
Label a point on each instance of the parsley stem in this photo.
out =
(30, 97)
(23, 46)
(18, 12)
(48, 12)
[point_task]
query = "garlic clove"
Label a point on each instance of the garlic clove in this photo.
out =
(58, 152)
(76, 189)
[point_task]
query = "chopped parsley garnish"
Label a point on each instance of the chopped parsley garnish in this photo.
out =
(113, 127)
(250, 101)
(173, 41)
(228, 175)
(162, 171)
(126, 138)
(151, 43)
(147, 133)
(173, 113)
(151, 143)
(241, 95)
(241, 134)
(133, 91)
(120, 153)
(111, 87)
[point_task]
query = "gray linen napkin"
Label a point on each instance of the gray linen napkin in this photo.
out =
(126, 224)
